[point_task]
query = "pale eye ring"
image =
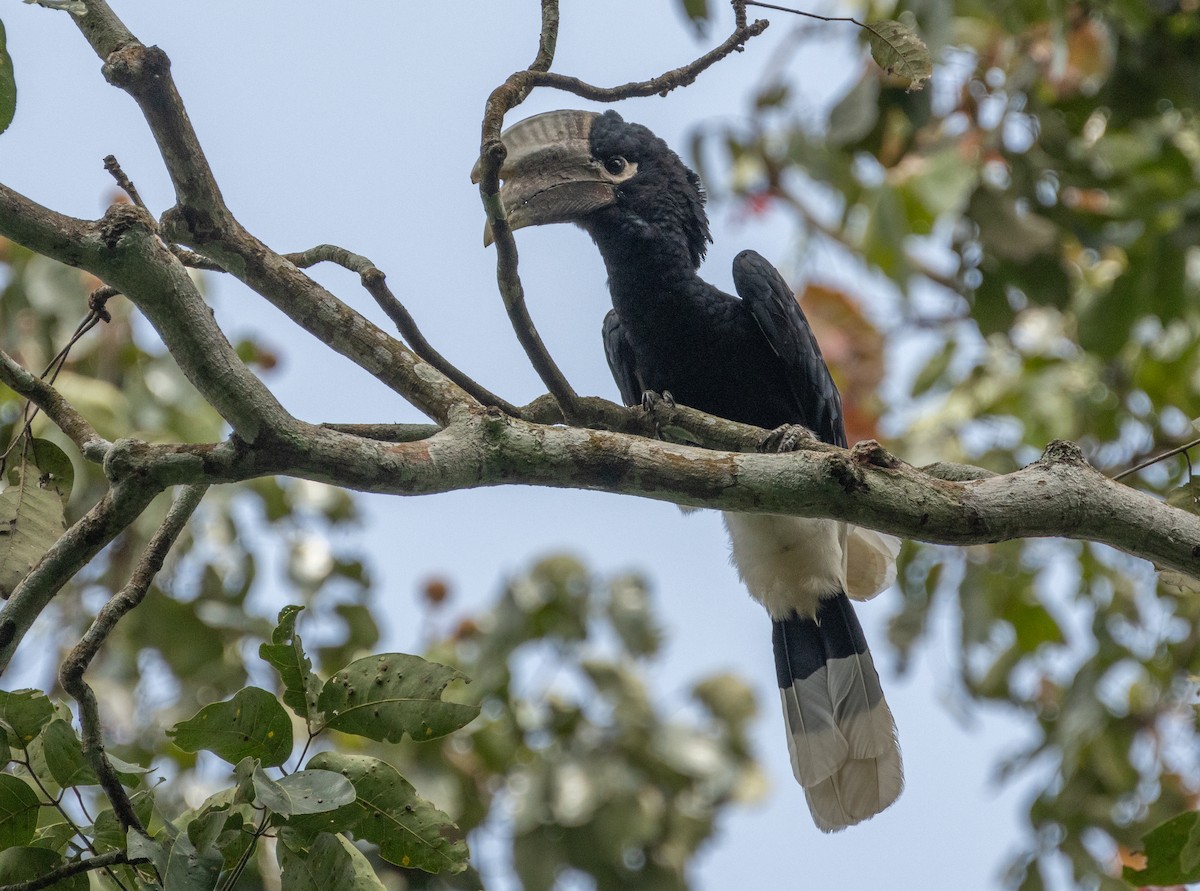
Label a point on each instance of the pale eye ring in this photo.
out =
(615, 165)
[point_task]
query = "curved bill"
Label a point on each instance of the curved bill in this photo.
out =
(549, 175)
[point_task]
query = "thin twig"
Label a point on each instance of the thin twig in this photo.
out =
(375, 282)
(100, 861)
(62, 413)
(548, 40)
(508, 96)
(77, 661)
(1170, 453)
(387, 432)
(113, 166)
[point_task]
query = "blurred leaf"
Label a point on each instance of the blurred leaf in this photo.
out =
(285, 653)
(898, 51)
(631, 616)
(728, 697)
(8, 84)
(25, 713)
(409, 831)
(1186, 497)
(1164, 847)
(58, 473)
(386, 696)
(28, 864)
(331, 862)
(251, 725)
(303, 792)
(18, 811)
(31, 521)
(697, 12)
(857, 112)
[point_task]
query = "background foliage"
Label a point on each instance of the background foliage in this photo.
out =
(1015, 260)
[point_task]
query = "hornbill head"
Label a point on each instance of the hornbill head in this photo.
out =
(617, 180)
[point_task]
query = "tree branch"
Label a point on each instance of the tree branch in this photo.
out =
(375, 282)
(72, 670)
(112, 514)
(99, 861)
(25, 383)
(508, 96)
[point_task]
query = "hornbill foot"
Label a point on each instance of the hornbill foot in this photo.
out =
(787, 438)
(651, 400)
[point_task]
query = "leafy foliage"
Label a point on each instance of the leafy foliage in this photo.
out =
(1032, 223)
(8, 84)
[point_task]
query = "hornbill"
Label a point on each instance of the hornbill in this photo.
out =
(753, 360)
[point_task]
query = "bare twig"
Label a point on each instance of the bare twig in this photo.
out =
(119, 507)
(1169, 453)
(23, 382)
(113, 166)
(77, 661)
(100, 861)
(508, 96)
(548, 40)
(375, 282)
(387, 432)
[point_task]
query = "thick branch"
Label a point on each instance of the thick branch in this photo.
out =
(1059, 495)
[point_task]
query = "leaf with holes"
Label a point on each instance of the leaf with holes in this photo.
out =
(252, 724)
(409, 831)
(285, 653)
(8, 84)
(24, 713)
(303, 792)
(386, 696)
(31, 520)
(330, 862)
(900, 52)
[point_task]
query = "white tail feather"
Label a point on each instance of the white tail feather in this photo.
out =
(870, 562)
(843, 747)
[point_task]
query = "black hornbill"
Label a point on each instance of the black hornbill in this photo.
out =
(753, 360)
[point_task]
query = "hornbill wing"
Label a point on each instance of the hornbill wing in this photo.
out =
(782, 322)
(621, 361)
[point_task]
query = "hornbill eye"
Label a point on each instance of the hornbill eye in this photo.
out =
(615, 165)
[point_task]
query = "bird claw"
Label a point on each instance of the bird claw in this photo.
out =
(651, 400)
(786, 438)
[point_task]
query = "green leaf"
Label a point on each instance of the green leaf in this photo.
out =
(139, 846)
(383, 697)
(189, 869)
(303, 792)
(31, 520)
(697, 12)
(19, 808)
(108, 834)
(285, 653)
(632, 618)
(8, 84)
(25, 864)
(1164, 847)
(57, 471)
(253, 724)
(25, 712)
(1186, 497)
(409, 831)
(331, 862)
(64, 756)
(55, 836)
(900, 52)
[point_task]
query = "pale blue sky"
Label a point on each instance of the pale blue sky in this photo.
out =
(357, 123)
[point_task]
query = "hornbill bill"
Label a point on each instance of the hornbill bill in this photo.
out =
(753, 360)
